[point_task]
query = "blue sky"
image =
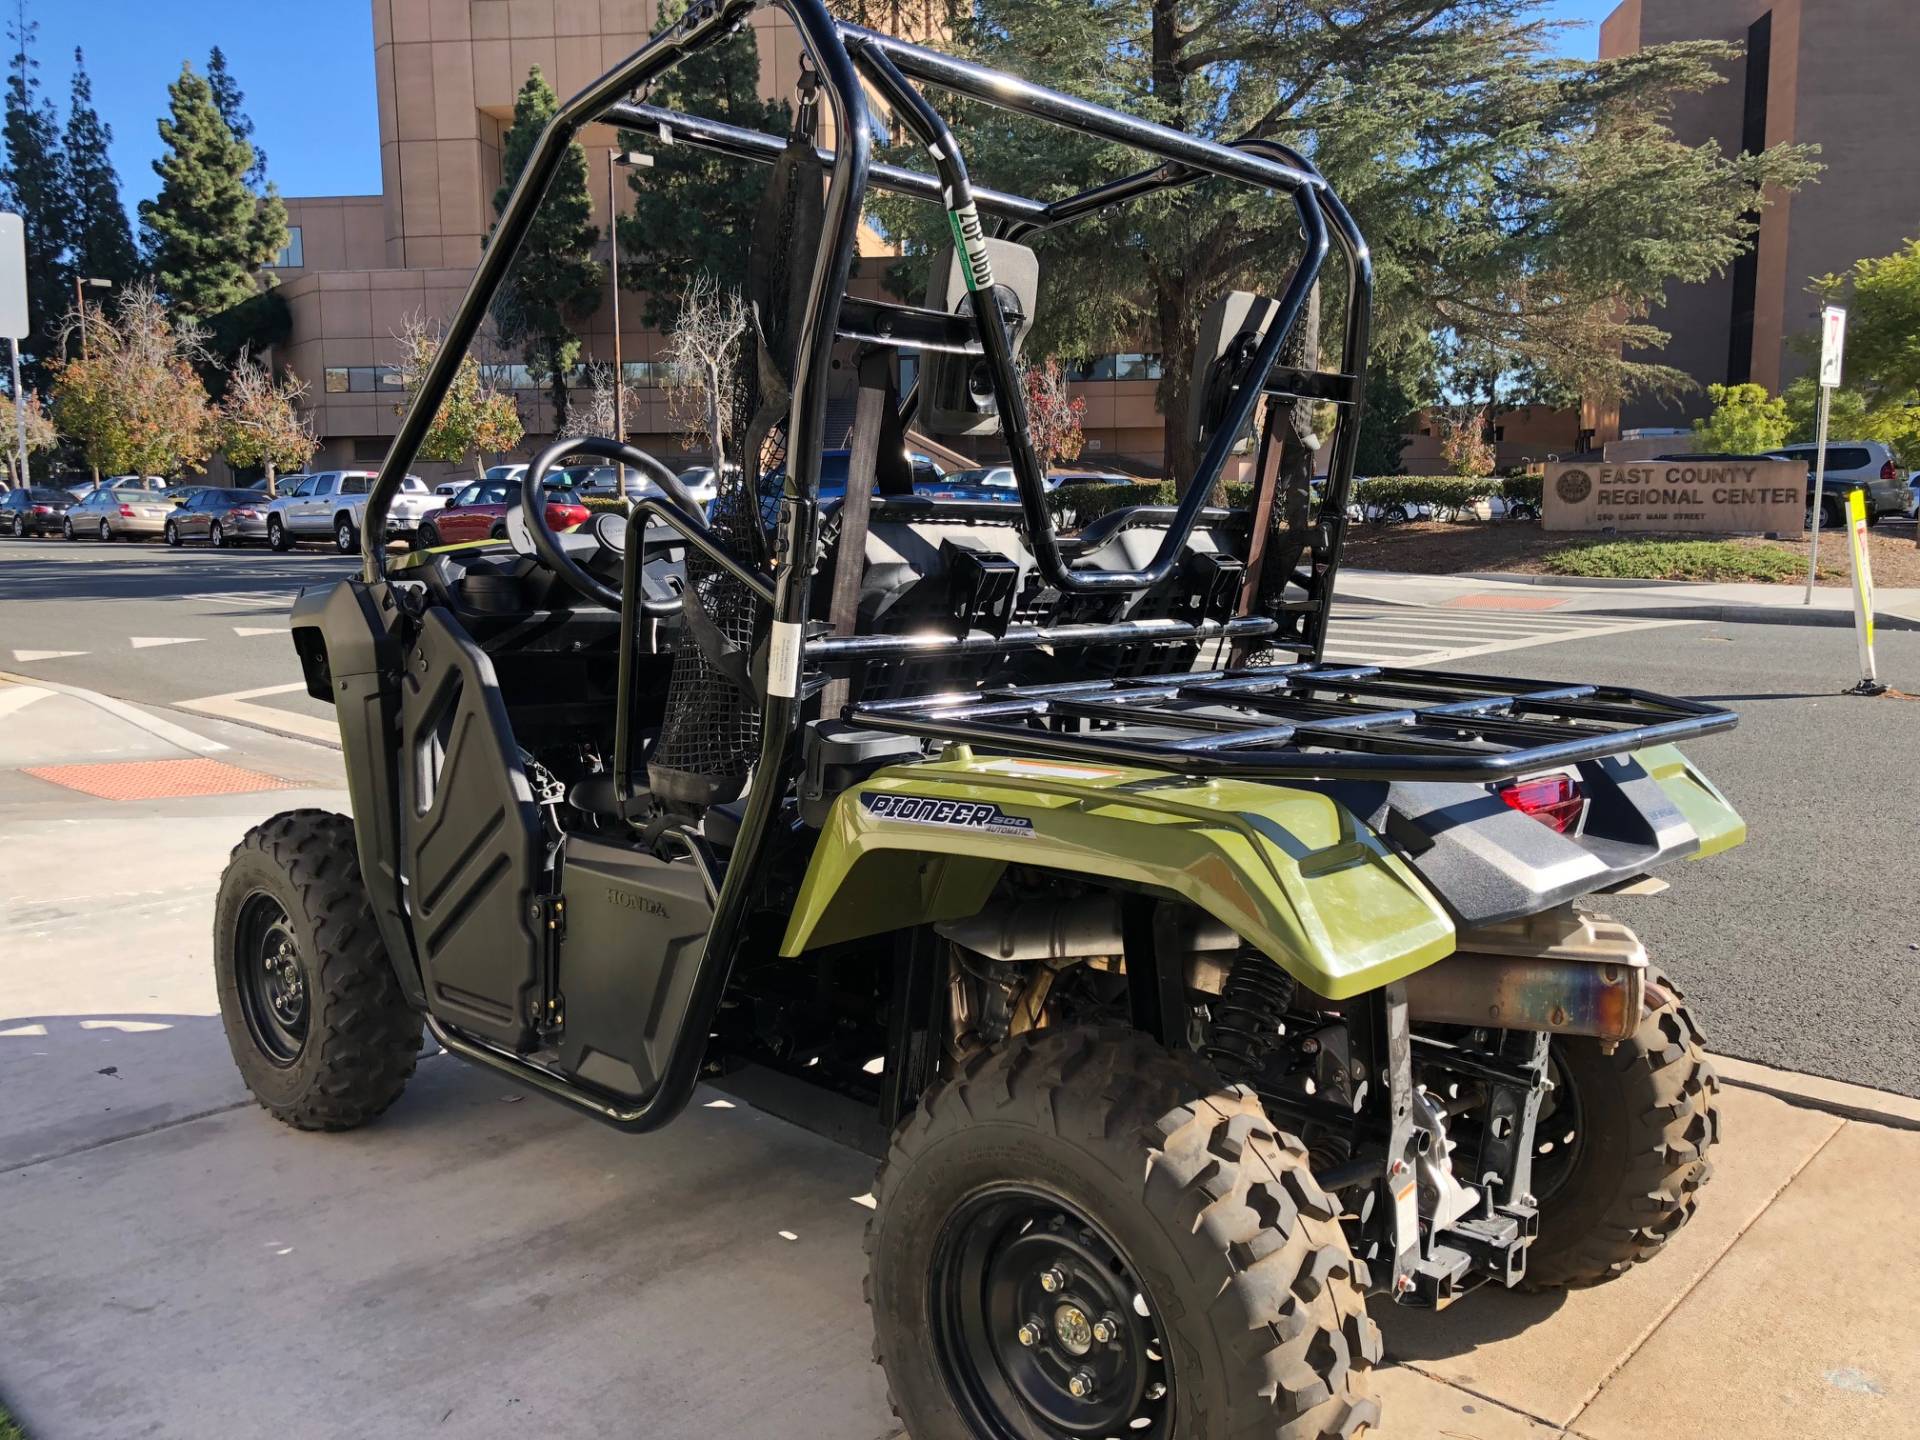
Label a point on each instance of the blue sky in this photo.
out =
(306, 67)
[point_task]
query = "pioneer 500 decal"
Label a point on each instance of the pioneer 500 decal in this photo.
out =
(957, 814)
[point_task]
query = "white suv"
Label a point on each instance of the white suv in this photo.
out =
(1865, 464)
(331, 502)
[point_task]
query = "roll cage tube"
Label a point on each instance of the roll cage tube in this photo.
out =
(927, 126)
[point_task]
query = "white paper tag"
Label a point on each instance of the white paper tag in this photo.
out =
(783, 660)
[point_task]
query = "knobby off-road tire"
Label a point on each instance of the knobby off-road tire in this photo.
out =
(1646, 1118)
(360, 1039)
(1237, 1250)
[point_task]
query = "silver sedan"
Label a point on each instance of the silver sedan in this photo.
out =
(117, 515)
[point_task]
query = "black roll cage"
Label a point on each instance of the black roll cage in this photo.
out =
(845, 58)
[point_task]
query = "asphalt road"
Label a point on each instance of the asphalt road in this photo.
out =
(1801, 950)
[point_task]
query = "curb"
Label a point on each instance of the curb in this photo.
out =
(1815, 1092)
(163, 730)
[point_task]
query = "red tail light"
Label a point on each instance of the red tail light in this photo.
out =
(43, 509)
(245, 514)
(1554, 800)
(1887, 472)
(127, 511)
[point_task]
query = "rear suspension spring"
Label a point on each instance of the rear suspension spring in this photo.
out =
(1245, 1031)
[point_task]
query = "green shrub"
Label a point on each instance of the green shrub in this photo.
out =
(1677, 560)
(1451, 492)
(1523, 488)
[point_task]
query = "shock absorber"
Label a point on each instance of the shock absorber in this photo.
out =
(1245, 1032)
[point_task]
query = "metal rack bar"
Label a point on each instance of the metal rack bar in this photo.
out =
(1270, 722)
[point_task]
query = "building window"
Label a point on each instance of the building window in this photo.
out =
(335, 381)
(291, 256)
(1116, 367)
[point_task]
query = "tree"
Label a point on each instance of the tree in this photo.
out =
(1853, 417)
(1463, 442)
(601, 416)
(1053, 414)
(1745, 421)
(694, 210)
(102, 240)
(1392, 405)
(1881, 400)
(703, 357)
(474, 419)
(1536, 205)
(553, 285)
(208, 233)
(35, 185)
(261, 420)
(135, 402)
(42, 435)
(229, 101)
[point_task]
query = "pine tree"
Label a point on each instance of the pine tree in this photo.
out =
(693, 211)
(553, 285)
(102, 239)
(227, 96)
(35, 185)
(208, 233)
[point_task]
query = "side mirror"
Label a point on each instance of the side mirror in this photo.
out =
(1230, 333)
(956, 397)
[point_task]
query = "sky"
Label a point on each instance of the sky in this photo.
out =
(306, 68)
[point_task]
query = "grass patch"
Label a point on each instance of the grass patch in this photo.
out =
(1678, 560)
(10, 1427)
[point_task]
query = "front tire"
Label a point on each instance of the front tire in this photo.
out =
(277, 535)
(1631, 1131)
(314, 1016)
(1013, 1229)
(66, 530)
(173, 535)
(216, 537)
(106, 533)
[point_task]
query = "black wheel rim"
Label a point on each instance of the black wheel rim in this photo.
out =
(1040, 1326)
(272, 980)
(1559, 1135)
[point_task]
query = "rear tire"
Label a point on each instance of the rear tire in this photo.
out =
(1643, 1120)
(1249, 1307)
(345, 539)
(313, 1013)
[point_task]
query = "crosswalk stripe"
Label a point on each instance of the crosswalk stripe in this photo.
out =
(27, 656)
(148, 642)
(246, 630)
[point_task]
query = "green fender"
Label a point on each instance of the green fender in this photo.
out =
(1717, 823)
(1289, 870)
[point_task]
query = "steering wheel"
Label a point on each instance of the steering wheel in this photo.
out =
(547, 546)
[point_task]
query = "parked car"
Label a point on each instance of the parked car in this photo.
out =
(603, 482)
(331, 502)
(219, 516)
(80, 489)
(1866, 464)
(110, 514)
(34, 510)
(1913, 496)
(479, 512)
(504, 472)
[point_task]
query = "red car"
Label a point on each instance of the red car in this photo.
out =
(479, 512)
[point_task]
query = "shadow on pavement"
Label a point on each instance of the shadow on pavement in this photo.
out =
(1486, 1315)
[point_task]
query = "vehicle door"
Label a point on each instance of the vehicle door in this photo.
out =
(313, 511)
(352, 498)
(190, 518)
(492, 508)
(460, 520)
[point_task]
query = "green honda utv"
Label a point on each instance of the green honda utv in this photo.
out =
(1196, 991)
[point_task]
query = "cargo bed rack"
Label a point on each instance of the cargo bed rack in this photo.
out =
(1355, 722)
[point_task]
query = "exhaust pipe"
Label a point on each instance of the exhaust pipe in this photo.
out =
(1560, 971)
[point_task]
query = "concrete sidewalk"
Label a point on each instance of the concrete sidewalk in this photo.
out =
(1895, 609)
(487, 1264)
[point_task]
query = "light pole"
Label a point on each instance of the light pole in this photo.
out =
(615, 159)
(80, 308)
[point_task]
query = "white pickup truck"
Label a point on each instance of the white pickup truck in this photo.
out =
(331, 502)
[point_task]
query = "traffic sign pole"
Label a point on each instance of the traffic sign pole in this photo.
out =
(1833, 344)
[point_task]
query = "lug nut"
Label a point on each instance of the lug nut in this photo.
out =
(1106, 1328)
(1156, 1390)
(1051, 1280)
(1030, 1333)
(1080, 1386)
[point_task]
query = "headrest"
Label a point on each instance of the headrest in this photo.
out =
(956, 397)
(1230, 333)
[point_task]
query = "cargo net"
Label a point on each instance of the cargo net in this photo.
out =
(710, 734)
